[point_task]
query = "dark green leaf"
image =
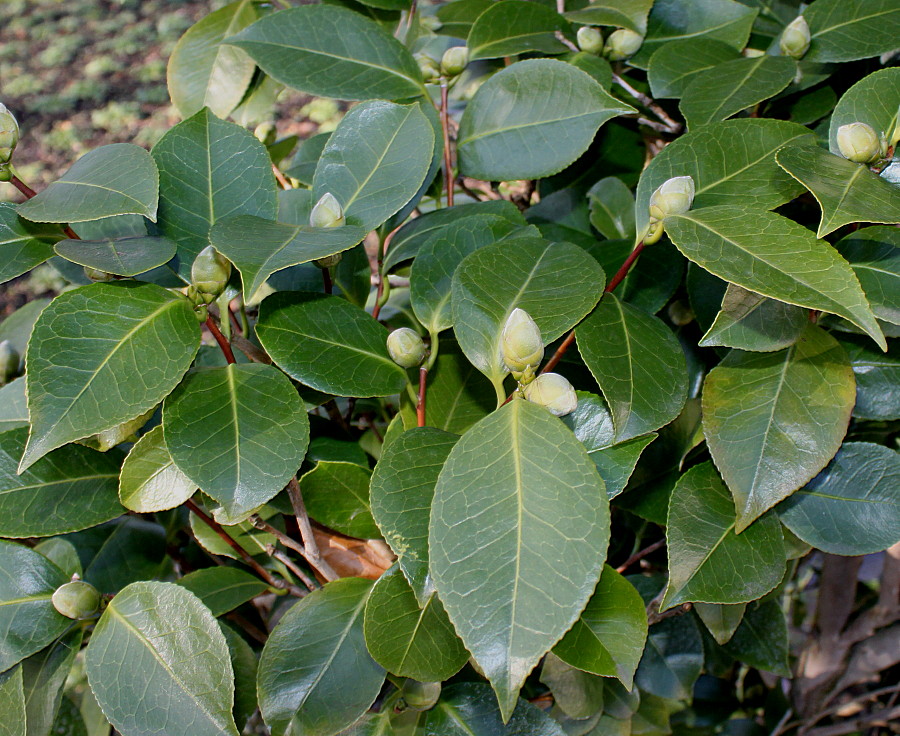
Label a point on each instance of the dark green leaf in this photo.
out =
(222, 589)
(845, 30)
(134, 551)
(874, 256)
(12, 703)
(121, 256)
(721, 620)
(673, 659)
(674, 65)
(877, 378)
(150, 480)
(512, 27)
(337, 495)
(17, 328)
(630, 14)
(303, 165)
(762, 639)
(44, 675)
(13, 407)
(612, 208)
(457, 17)
(244, 664)
(749, 321)
(577, 693)
(873, 100)
(23, 244)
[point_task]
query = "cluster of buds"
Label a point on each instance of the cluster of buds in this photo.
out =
(9, 138)
(674, 197)
(795, 38)
(9, 362)
(453, 63)
(406, 348)
(210, 272)
(77, 599)
(590, 40)
(623, 44)
(860, 143)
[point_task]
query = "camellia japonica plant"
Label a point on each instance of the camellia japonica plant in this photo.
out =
(553, 391)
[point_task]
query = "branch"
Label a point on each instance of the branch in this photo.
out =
(448, 157)
(420, 404)
(220, 338)
(29, 193)
(290, 565)
(640, 555)
(648, 102)
(309, 541)
(879, 718)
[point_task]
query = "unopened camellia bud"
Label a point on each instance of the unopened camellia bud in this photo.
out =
(9, 362)
(327, 212)
(328, 261)
(6, 173)
(210, 272)
(95, 274)
(521, 343)
(590, 40)
(795, 38)
(553, 392)
(429, 68)
(420, 695)
(623, 44)
(454, 61)
(673, 197)
(9, 134)
(406, 347)
(858, 142)
(76, 600)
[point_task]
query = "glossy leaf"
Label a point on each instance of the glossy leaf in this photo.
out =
(208, 169)
(608, 637)
(708, 561)
(244, 664)
(13, 407)
(259, 248)
(86, 351)
(612, 208)
(672, 660)
(874, 256)
(23, 244)
(531, 120)
(116, 179)
(407, 638)
(877, 378)
(773, 420)
(328, 344)
(845, 31)
(457, 17)
(773, 256)
(375, 161)
(873, 100)
(721, 620)
(749, 321)
(122, 256)
(630, 14)
(638, 364)
(851, 507)
(521, 485)
(222, 589)
(317, 647)
(512, 27)
(303, 165)
(674, 65)
(846, 191)
(12, 703)
(238, 432)
(577, 693)
(44, 676)
(332, 52)
(762, 638)
(337, 495)
(134, 550)
(150, 481)
(179, 665)
(204, 72)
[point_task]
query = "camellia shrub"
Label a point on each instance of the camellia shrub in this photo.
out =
(553, 391)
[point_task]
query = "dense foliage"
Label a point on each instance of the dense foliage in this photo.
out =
(554, 392)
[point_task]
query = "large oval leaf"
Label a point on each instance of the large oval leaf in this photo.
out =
(72, 488)
(851, 507)
(748, 321)
(328, 344)
(521, 486)
(512, 27)
(12, 703)
(773, 420)
(873, 100)
(23, 244)
(874, 256)
(877, 378)
(775, 257)
(333, 52)
(318, 648)
(150, 481)
(845, 30)
(86, 349)
(531, 120)
(222, 588)
(13, 406)
(621, 13)
(44, 676)
(179, 670)
(337, 495)
(675, 64)
(117, 179)
(239, 432)
(119, 256)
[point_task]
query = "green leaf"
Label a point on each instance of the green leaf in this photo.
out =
(376, 160)
(204, 72)
(150, 481)
(672, 20)
(708, 561)
(631, 14)
(331, 52)
(512, 27)
(721, 620)
(637, 362)
(116, 179)
(846, 191)
(531, 120)
(578, 694)
(178, 668)
(44, 676)
(467, 709)
(135, 550)
(608, 637)
(517, 493)
(259, 248)
(337, 495)
(593, 427)
(303, 165)
(12, 703)
(877, 378)
(13, 407)
(874, 256)
(557, 284)
(762, 639)
(749, 321)
(458, 17)
(239, 432)
(844, 30)
(851, 507)
(244, 533)
(28, 620)
(119, 256)
(208, 169)
(85, 351)
(72, 488)
(402, 491)
(324, 632)
(732, 86)
(612, 208)
(244, 664)
(672, 660)
(62, 554)
(743, 172)
(409, 639)
(773, 256)
(674, 65)
(874, 100)
(773, 420)
(222, 589)
(328, 344)
(23, 244)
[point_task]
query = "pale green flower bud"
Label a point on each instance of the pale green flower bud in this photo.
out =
(266, 133)
(6, 173)
(95, 274)
(454, 61)
(895, 136)
(210, 272)
(590, 40)
(9, 362)
(623, 44)
(795, 38)
(406, 347)
(858, 142)
(553, 392)
(521, 344)
(673, 197)
(201, 312)
(328, 261)
(77, 600)
(125, 432)
(327, 212)
(420, 695)
(9, 134)
(429, 68)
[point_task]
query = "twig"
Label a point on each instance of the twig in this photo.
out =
(420, 404)
(254, 631)
(256, 354)
(448, 158)
(29, 193)
(782, 724)
(282, 179)
(560, 351)
(290, 565)
(220, 338)
(326, 280)
(879, 718)
(563, 40)
(306, 533)
(649, 103)
(382, 252)
(640, 555)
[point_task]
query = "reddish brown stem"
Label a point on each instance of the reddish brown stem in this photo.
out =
(448, 160)
(420, 406)
(220, 338)
(326, 281)
(29, 193)
(376, 310)
(640, 555)
(285, 184)
(235, 322)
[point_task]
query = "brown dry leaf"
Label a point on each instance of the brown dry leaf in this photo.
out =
(350, 557)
